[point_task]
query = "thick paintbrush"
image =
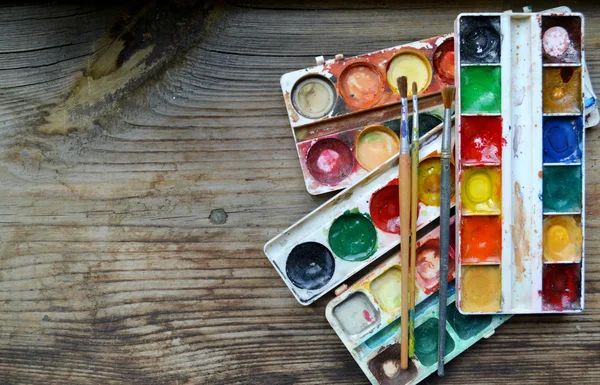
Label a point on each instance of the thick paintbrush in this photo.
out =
(448, 97)
(414, 202)
(404, 192)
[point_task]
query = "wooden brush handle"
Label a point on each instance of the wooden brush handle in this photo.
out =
(404, 190)
(414, 205)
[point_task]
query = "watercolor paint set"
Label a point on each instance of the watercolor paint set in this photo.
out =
(521, 165)
(344, 112)
(366, 317)
(354, 228)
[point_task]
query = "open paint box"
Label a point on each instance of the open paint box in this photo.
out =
(366, 317)
(354, 228)
(520, 114)
(344, 112)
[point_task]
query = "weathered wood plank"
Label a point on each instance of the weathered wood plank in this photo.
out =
(110, 268)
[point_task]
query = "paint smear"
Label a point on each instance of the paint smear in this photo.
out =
(385, 209)
(561, 287)
(480, 288)
(414, 66)
(479, 40)
(313, 97)
(426, 342)
(350, 314)
(466, 326)
(481, 139)
(361, 85)
(520, 233)
(561, 88)
(443, 61)
(310, 266)
(562, 139)
(385, 367)
(562, 239)
(481, 239)
(329, 161)
(353, 237)
(428, 266)
(562, 188)
(429, 181)
(375, 145)
(387, 290)
(481, 190)
(481, 90)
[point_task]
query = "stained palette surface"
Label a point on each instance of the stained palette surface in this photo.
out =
(354, 228)
(366, 317)
(520, 113)
(344, 113)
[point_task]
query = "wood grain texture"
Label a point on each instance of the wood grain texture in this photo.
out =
(123, 127)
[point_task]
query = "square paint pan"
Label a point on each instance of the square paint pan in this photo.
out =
(343, 111)
(520, 112)
(366, 317)
(354, 228)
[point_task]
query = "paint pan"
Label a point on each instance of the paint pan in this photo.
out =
(520, 202)
(352, 229)
(356, 99)
(369, 324)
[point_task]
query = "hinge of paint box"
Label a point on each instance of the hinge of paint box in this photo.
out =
(341, 289)
(320, 60)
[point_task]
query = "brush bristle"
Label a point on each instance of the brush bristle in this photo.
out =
(448, 93)
(415, 90)
(402, 86)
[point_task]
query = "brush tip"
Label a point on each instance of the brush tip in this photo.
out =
(415, 90)
(448, 93)
(402, 86)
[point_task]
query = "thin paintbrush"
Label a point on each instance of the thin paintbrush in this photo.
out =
(404, 190)
(448, 98)
(414, 202)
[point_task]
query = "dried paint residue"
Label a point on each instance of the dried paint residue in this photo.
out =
(562, 239)
(375, 145)
(481, 239)
(481, 190)
(361, 85)
(414, 66)
(561, 287)
(428, 266)
(481, 139)
(520, 233)
(562, 92)
(329, 160)
(481, 288)
(387, 290)
(385, 209)
(353, 237)
(350, 314)
(313, 97)
(429, 181)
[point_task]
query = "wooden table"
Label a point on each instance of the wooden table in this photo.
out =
(123, 128)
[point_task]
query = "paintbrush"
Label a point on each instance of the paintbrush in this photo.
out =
(447, 97)
(414, 167)
(404, 192)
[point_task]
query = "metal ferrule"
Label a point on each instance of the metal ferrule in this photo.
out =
(404, 135)
(446, 137)
(415, 127)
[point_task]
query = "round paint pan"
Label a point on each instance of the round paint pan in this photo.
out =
(414, 66)
(429, 181)
(375, 145)
(329, 161)
(385, 210)
(313, 97)
(310, 266)
(443, 61)
(428, 266)
(556, 41)
(560, 141)
(352, 237)
(361, 85)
